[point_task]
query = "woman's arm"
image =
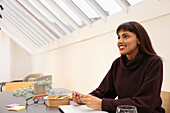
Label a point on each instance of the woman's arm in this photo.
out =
(106, 89)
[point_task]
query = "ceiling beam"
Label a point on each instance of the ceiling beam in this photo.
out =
(24, 25)
(18, 35)
(79, 13)
(63, 14)
(35, 19)
(19, 31)
(14, 36)
(30, 24)
(97, 9)
(123, 5)
(36, 13)
(19, 24)
(52, 16)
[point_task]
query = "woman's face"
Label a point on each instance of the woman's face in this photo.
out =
(128, 44)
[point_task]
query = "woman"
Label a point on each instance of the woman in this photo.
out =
(135, 77)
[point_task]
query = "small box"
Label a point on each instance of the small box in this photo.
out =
(57, 100)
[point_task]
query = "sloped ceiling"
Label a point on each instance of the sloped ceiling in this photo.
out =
(34, 24)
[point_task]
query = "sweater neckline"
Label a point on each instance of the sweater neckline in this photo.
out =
(131, 64)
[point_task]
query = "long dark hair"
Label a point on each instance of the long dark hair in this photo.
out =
(145, 42)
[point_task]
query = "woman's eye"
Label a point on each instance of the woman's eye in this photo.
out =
(125, 36)
(118, 38)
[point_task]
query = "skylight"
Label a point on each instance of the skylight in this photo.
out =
(110, 6)
(86, 9)
(69, 12)
(133, 2)
(57, 15)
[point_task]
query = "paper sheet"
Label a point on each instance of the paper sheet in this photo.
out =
(16, 108)
(13, 105)
(79, 109)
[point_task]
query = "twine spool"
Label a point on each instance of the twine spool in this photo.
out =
(39, 89)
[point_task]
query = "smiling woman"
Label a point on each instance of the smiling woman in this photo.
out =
(143, 37)
(135, 77)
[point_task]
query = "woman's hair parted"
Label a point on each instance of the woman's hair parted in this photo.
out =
(145, 42)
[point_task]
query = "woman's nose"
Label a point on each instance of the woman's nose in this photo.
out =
(120, 40)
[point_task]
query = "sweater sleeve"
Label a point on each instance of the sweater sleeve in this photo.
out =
(148, 97)
(106, 89)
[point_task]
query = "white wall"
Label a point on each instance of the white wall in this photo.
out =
(14, 61)
(20, 62)
(80, 66)
(159, 29)
(4, 57)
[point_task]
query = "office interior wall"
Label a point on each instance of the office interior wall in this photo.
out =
(4, 57)
(158, 29)
(20, 62)
(14, 60)
(80, 66)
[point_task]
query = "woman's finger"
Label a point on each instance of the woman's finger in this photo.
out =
(76, 97)
(83, 96)
(84, 100)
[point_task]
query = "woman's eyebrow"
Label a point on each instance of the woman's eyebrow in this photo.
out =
(123, 34)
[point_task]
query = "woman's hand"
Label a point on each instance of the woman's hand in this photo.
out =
(76, 97)
(91, 101)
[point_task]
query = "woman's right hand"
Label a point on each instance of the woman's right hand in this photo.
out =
(76, 97)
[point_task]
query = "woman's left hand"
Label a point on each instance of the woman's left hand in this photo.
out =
(91, 101)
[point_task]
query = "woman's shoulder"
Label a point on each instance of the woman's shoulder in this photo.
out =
(153, 58)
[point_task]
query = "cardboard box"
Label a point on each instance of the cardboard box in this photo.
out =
(57, 100)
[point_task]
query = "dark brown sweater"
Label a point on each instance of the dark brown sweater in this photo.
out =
(136, 82)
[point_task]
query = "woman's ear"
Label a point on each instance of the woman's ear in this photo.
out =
(138, 42)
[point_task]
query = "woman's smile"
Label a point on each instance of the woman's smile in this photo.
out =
(122, 47)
